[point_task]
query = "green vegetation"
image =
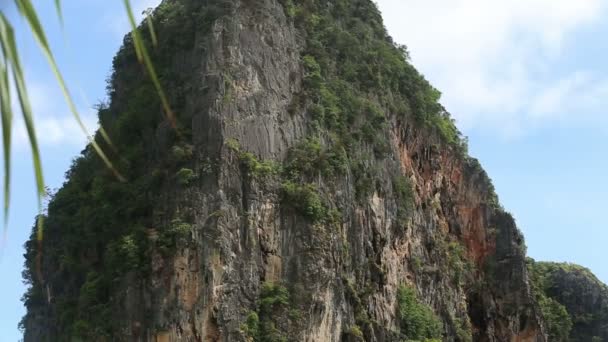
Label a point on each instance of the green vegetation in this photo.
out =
(358, 300)
(349, 57)
(453, 260)
(176, 234)
(464, 331)
(233, 145)
(570, 298)
(306, 200)
(310, 158)
(474, 167)
(270, 321)
(251, 327)
(355, 333)
(418, 322)
(251, 163)
(416, 264)
(364, 178)
(182, 154)
(185, 176)
(272, 296)
(123, 254)
(355, 79)
(290, 8)
(259, 168)
(404, 196)
(98, 227)
(558, 321)
(556, 317)
(228, 89)
(458, 264)
(306, 160)
(12, 79)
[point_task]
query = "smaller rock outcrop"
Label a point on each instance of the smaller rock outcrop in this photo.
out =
(573, 301)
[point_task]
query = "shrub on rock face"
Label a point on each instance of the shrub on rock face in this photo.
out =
(353, 334)
(268, 323)
(176, 233)
(418, 322)
(123, 254)
(305, 199)
(556, 317)
(184, 176)
(181, 153)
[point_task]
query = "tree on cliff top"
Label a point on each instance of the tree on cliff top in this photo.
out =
(12, 80)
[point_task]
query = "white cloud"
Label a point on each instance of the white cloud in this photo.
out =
(55, 131)
(581, 93)
(495, 61)
(552, 100)
(54, 124)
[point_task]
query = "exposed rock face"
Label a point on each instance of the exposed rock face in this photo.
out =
(194, 260)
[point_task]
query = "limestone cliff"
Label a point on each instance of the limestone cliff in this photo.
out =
(313, 189)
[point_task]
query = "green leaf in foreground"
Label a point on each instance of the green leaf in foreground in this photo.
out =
(148, 14)
(59, 11)
(29, 13)
(7, 120)
(144, 57)
(10, 59)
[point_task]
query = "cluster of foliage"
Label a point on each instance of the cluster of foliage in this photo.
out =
(418, 322)
(351, 60)
(464, 330)
(452, 260)
(178, 233)
(306, 160)
(355, 77)
(308, 203)
(359, 301)
(96, 229)
(182, 154)
(404, 195)
(259, 168)
(310, 158)
(474, 169)
(269, 323)
(354, 333)
(561, 291)
(253, 166)
(557, 319)
(305, 199)
(364, 178)
(185, 176)
(458, 264)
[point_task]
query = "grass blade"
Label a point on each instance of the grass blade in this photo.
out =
(144, 57)
(7, 121)
(148, 14)
(59, 11)
(134, 33)
(9, 50)
(27, 10)
(106, 137)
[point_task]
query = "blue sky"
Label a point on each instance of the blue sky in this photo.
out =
(526, 80)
